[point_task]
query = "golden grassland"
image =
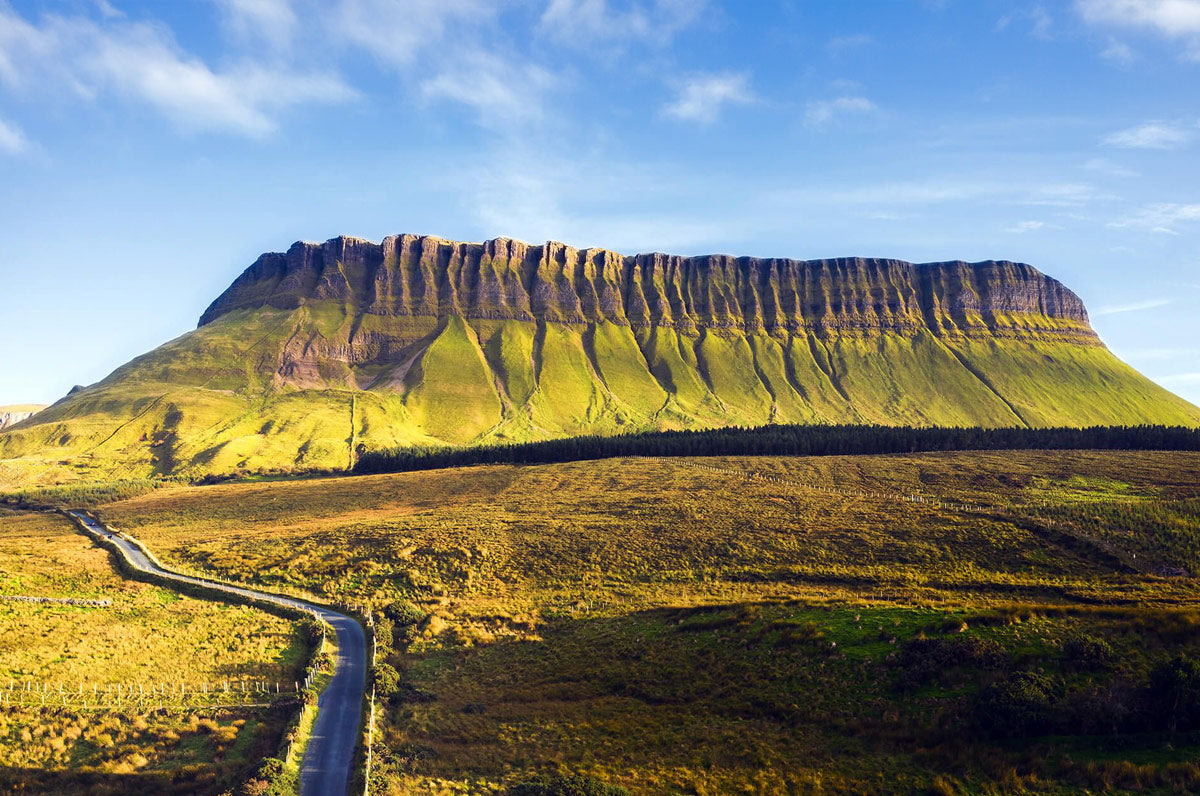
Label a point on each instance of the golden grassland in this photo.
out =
(672, 629)
(146, 639)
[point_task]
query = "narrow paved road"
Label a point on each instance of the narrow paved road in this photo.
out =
(329, 759)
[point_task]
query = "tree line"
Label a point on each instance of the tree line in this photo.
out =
(783, 440)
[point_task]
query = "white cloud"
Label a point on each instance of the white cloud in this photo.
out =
(1107, 167)
(1167, 17)
(703, 97)
(1137, 306)
(398, 32)
(824, 111)
(500, 91)
(1041, 24)
(12, 140)
(1160, 218)
(583, 22)
(1118, 52)
(1173, 19)
(1151, 135)
(142, 63)
(841, 43)
(1030, 226)
(1031, 193)
(274, 21)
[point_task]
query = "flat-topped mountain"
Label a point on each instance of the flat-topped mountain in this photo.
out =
(316, 352)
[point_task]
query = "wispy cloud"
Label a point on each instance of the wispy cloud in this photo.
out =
(12, 140)
(702, 98)
(1151, 135)
(1107, 167)
(936, 191)
(1178, 20)
(1041, 23)
(1167, 17)
(822, 112)
(141, 62)
(1161, 218)
(1137, 306)
(839, 44)
(1024, 227)
(500, 91)
(585, 22)
(401, 33)
(1118, 52)
(273, 21)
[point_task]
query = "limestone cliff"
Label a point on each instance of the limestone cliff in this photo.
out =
(11, 415)
(503, 279)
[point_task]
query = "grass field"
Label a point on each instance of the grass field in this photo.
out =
(670, 628)
(102, 671)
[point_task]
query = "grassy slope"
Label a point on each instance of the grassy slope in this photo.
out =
(148, 636)
(679, 630)
(272, 390)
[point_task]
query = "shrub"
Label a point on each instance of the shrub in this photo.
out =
(1088, 654)
(922, 660)
(1174, 693)
(1018, 706)
(565, 785)
(386, 680)
(383, 633)
(404, 614)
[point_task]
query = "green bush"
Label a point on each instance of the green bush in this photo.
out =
(404, 614)
(1019, 706)
(924, 660)
(1175, 693)
(1088, 654)
(386, 680)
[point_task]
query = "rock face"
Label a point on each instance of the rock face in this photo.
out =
(11, 415)
(503, 279)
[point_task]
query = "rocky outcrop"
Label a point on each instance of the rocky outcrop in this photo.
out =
(11, 415)
(410, 275)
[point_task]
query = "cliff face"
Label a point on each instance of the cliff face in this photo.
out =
(11, 415)
(503, 279)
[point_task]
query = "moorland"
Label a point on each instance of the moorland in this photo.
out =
(114, 686)
(749, 624)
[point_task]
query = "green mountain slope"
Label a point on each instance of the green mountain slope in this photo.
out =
(312, 354)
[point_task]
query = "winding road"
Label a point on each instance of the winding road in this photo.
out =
(329, 758)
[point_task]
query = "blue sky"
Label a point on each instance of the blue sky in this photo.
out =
(149, 151)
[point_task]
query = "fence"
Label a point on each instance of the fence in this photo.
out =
(159, 695)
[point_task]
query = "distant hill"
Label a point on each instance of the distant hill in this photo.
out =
(11, 415)
(313, 353)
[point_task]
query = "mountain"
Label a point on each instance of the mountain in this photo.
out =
(312, 353)
(11, 415)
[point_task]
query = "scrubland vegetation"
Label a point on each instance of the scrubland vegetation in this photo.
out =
(659, 626)
(118, 698)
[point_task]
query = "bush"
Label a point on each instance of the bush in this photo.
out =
(1174, 693)
(404, 614)
(1087, 654)
(923, 660)
(565, 785)
(386, 680)
(383, 633)
(1018, 706)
